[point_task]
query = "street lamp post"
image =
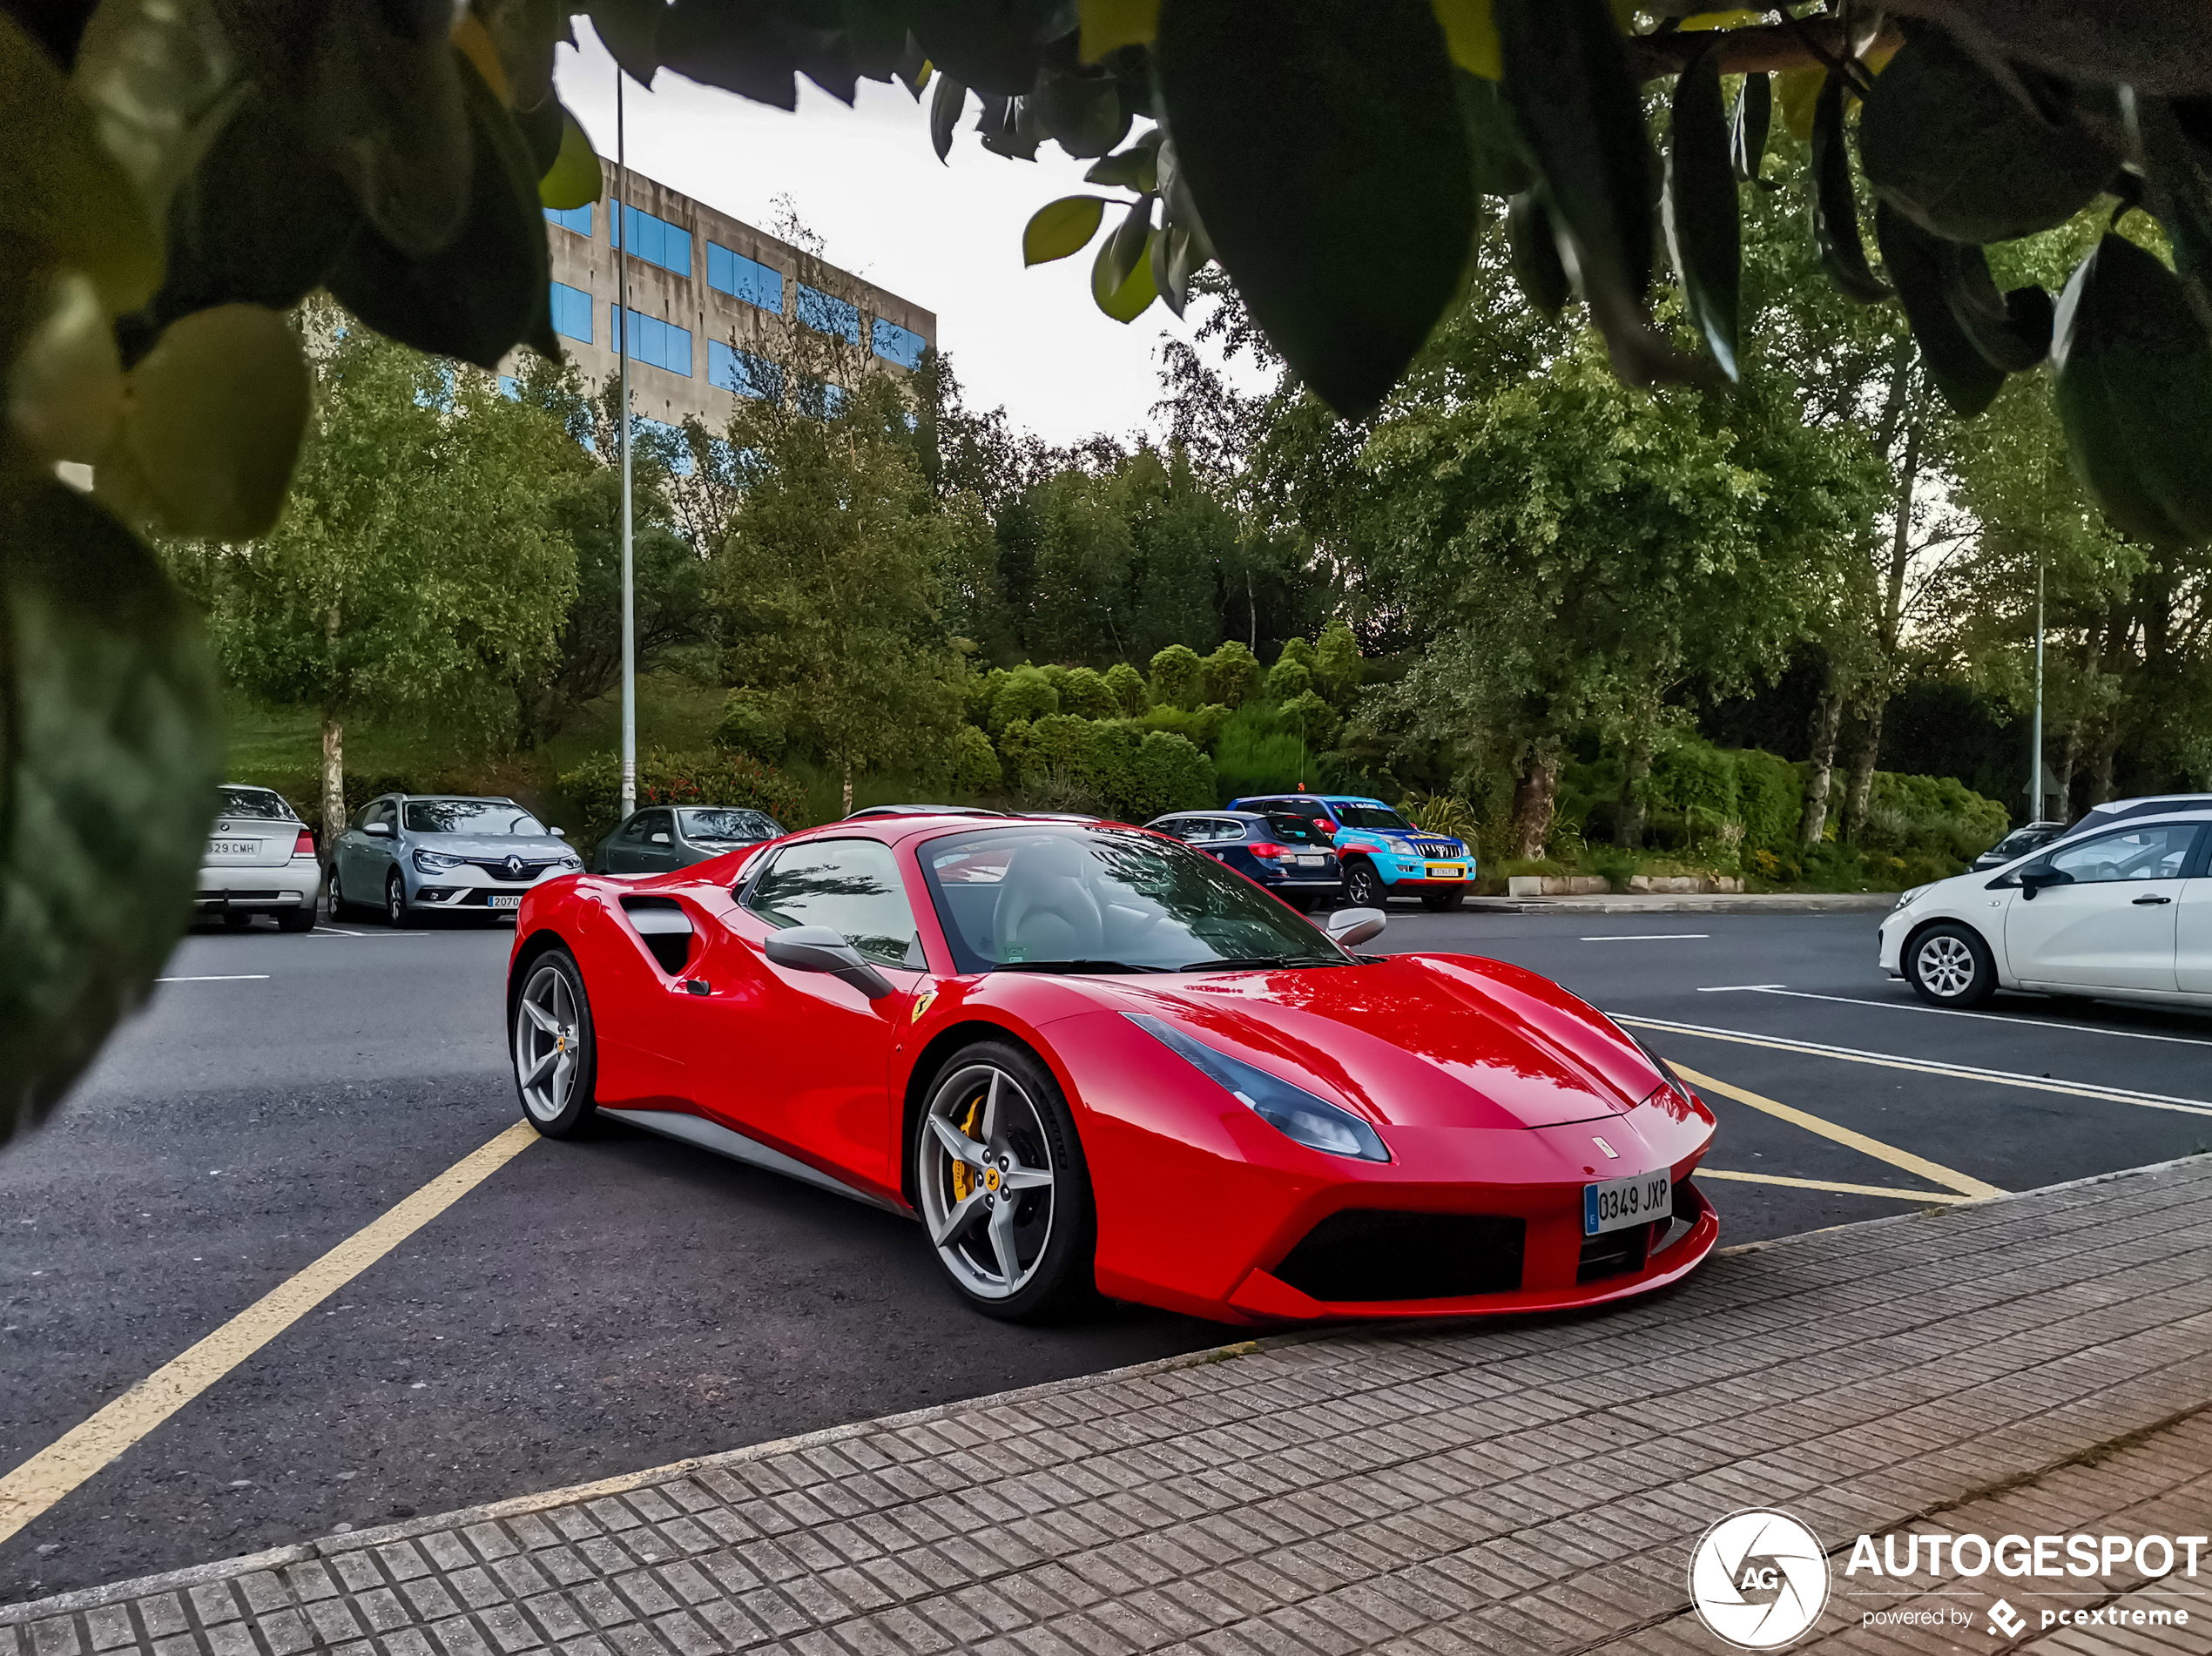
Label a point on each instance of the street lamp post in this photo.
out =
(2035, 759)
(629, 583)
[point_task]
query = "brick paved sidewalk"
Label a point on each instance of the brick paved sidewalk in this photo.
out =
(2036, 1362)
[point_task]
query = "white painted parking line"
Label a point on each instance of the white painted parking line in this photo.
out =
(1648, 937)
(221, 977)
(1926, 1065)
(1955, 1011)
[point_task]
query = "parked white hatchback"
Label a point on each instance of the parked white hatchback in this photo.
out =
(261, 859)
(2124, 913)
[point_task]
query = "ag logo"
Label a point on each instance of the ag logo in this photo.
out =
(1759, 1578)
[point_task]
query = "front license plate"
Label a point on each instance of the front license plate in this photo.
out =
(233, 848)
(503, 899)
(1446, 870)
(1618, 1203)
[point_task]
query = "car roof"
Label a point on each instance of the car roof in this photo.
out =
(868, 812)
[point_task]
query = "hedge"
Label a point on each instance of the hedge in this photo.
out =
(1135, 773)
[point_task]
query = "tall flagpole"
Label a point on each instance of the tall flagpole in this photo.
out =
(629, 581)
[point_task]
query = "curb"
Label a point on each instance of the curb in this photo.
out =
(86, 1599)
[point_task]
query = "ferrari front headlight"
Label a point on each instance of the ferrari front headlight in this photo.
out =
(1291, 1111)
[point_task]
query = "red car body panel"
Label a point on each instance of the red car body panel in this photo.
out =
(1496, 1092)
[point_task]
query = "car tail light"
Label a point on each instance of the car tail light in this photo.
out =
(1266, 848)
(305, 845)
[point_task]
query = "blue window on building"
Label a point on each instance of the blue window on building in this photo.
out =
(823, 398)
(745, 279)
(510, 387)
(571, 313)
(664, 443)
(655, 240)
(826, 313)
(576, 219)
(656, 343)
(900, 344)
(743, 373)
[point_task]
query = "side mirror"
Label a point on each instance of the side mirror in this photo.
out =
(2034, 879)
(1349, 927)
(816, 948)
(560, 833)
(658, 840)
(382, 830)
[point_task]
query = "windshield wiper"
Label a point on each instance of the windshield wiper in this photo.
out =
(1250, 962)
(1077, 966)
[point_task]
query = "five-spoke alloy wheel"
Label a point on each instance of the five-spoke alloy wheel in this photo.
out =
(1363, 888)
(1949, 966)
(556, 1063)
(999, 1181)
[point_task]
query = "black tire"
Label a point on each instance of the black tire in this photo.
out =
(554, 1111)
(1363, 888)
(338, 906)
(1036, 1133)
(1948, 965)
(1438, 902)
(297, 919)
(1302, 901)
(236, 920)
(397, 914)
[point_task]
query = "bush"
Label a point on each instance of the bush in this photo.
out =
(1255, 755)
(1026, 693)
(974, 764)
(1130, 772)
(1441, 813)
(1086, 694)
(1289, 679)
(1127, 685)
(1310, 719)
(1232, 674)
(1177, 675)
(1200, 726)
(1336, 663)
(751, 724)
(1938, 816)
(593, 788)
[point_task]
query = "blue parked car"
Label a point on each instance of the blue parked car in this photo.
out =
(1383, 854)
(1281, 852)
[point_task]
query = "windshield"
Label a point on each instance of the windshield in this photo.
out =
(736, 827)
(1370, 817)
(470, 817)
(1296, 831)
(256, 801)
(1101, 899)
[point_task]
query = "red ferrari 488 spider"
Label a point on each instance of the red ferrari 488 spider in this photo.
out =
(1087, 1056)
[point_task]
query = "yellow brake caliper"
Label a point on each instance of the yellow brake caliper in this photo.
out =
(964, 1175)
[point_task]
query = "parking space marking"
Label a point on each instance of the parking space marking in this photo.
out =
(1830, 1184)
(1929, 1067)
(1649, 936)
(54, 1471)
(1933, 1172)
(222, 976)
(1954, 1012)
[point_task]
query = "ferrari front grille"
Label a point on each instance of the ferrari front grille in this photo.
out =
(1368, 1254)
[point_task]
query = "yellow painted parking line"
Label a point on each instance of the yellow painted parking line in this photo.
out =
(1933, 1172)
(1830, 1184)
(77, 1454)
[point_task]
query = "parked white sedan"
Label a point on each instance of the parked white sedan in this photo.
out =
(261, 859)
(2125, 913)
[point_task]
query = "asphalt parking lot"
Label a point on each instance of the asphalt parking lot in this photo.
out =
(622, 1302)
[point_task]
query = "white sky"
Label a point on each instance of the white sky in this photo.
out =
(947, 237)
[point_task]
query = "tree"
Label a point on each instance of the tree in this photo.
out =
(420, 557)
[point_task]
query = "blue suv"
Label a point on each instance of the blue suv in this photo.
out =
(1383, 855)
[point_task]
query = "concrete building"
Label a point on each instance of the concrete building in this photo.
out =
(715, 304)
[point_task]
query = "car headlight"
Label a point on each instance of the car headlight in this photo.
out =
(1905, 900)
(1665, 1069)
(436, 862)
(1291, 1111)
(569, 864)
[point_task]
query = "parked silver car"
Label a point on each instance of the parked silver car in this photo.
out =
(413, 854)
(660, 837)
(261, 859)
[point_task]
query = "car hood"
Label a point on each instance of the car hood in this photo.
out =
(1413, 1039)
(1399, 840)
(531, 848)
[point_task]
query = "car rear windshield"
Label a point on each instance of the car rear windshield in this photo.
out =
(257, 802)
(1296, 830)
(470, 817)
(1370, 817)
(1101, 897)
(737, 827)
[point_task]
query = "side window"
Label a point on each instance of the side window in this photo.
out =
(649, 823)
(2158, 852)
(1173, 827)
(852, 886)
(1210, 831)
(385, 812)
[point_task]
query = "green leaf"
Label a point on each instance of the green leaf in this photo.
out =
(1748, 124)
(2010, 330)
(1916, 262)
(1704, 228)
(1083, 114)
(945, 105)
(1834, 208)
(996, 46)
(162, 81)
(1123, 296)
(2135, 394)
(630, 29)
(1962, 157)
(1326, 155)
(575, 179)
(394, 119)
(2173, 143)
(1134, 168)
(1577, 102)
(1494, 147)
(1059, 228)
(1010, 127)
(739, 50)
(66, 202)
(486, 292)
(113, 748)
(1534, 248)
(1125, 248)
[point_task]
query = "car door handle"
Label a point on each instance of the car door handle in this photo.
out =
(2141, 902)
